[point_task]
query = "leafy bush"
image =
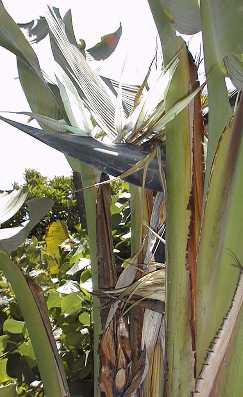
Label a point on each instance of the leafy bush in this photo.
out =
(61, 190)
(59, 263)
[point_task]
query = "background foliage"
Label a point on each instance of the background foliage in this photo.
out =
(56, 257)
(61, 190)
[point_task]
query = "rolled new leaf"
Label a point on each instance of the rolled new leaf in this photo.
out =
(113, 159)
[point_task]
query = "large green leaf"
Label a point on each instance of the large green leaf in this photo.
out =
(184, 15)
(30, 73)
(10, 203)
(220, 375)
(13, 40)
(11, 238)
(227, 13)
(220, 238)
(217, 90)
(46, 102)
(228, 45)
(180, 360)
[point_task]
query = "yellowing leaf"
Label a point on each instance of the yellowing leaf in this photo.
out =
(56, 235)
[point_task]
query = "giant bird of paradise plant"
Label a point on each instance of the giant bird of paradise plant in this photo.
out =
(173, 329)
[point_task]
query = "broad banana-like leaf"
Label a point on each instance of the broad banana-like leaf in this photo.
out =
(11, 238)
(47, 102)
(10, 203)
(220, 236)
(183, 14)
(228, 47)
(180, 329)
(98, 98)
(30, 74)
(13, 39)
(113, 159)
(220, 374)
(217, 90)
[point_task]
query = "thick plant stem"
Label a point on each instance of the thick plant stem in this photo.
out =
(48, 366)
(89, 178)
(137, 313)
(179, 352)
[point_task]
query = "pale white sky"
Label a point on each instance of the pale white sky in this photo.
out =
(92, 19)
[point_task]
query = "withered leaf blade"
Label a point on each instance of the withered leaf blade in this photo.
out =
(115, 356)
(106, 46)
(138, 375)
